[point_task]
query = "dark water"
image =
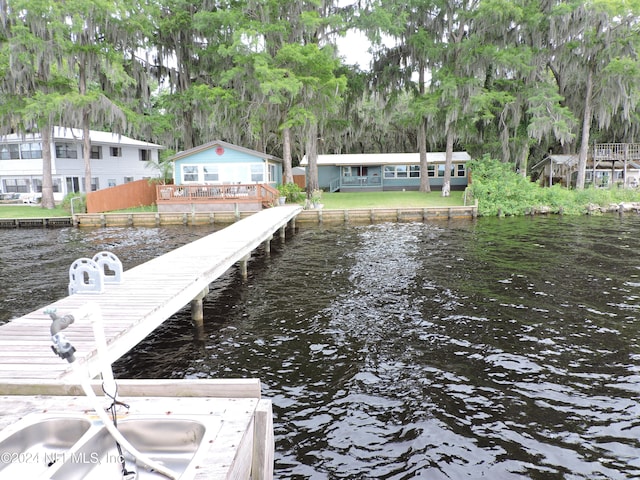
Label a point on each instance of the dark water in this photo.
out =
(498, 349)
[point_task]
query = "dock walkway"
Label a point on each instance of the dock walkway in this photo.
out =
(148, 295)
(34, 381)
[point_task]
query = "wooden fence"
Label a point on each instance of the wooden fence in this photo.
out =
(132, 194)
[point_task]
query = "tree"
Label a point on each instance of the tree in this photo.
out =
(595, 64)
(320, 94)
(35, 75)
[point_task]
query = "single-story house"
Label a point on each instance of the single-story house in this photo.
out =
(115, 160)
(221, 176)
(387, 171)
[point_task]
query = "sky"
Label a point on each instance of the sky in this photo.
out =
(353, 47)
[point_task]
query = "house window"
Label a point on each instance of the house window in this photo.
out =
(189, 173)
(399, 171)
(96, 151)
(441, 170)
(128, 179)
(73, 184)
(462, 171)
(9, 151)
(273, 173)
(95, 184)
(116, 151)
(431, 170)
(210, 173)
(257, 173)
(111, 182)
(389, 171)
(145, 155)
(16, 185)
(31, 150)
(414, 171)
(37, 185)
(355, 171)
(66, 150)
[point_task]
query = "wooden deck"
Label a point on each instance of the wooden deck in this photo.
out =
(148, 295)
(240, 445)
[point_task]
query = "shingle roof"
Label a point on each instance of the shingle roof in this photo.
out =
(215, 143)
(75, 134)
(385, 158)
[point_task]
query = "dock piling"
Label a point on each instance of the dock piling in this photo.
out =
(243, 266)
(197, 313)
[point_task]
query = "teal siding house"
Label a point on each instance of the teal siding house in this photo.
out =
(221, 176)
(222, 163)
(387, 171)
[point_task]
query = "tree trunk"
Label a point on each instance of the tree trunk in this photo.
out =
(448, 160)
(524, 157)
(286, 155)
(422, 148)
(422, 141)
(86, 140)
(47, 180)
(586, 125)
(312, 158)
(86, 151)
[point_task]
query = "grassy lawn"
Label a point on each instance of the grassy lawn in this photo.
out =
(31, 211)
(331, 201)
(389, 200)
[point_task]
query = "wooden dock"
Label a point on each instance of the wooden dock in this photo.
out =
(147, 295)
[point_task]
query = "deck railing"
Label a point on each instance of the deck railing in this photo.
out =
(235, 193)
(616, 151)
(253, 192)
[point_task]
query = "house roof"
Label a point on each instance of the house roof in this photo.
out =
(385, 158)
(220, 143)
(75, 134)
(564, 160)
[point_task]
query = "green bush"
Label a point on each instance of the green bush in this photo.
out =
(79, 206)
(501, 191)
(292, 191)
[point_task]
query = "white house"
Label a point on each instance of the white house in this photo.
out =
(115, 159)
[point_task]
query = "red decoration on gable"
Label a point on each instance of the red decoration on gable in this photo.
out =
(219, 150)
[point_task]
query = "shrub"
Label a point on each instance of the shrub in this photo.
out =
(79, 206)
(292, 191)
(501, 191)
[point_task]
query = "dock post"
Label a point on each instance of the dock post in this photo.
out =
(267, 245)
(283, 233)
(197, 314)
(243, 266)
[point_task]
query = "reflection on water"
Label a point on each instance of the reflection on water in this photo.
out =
(499, 349)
